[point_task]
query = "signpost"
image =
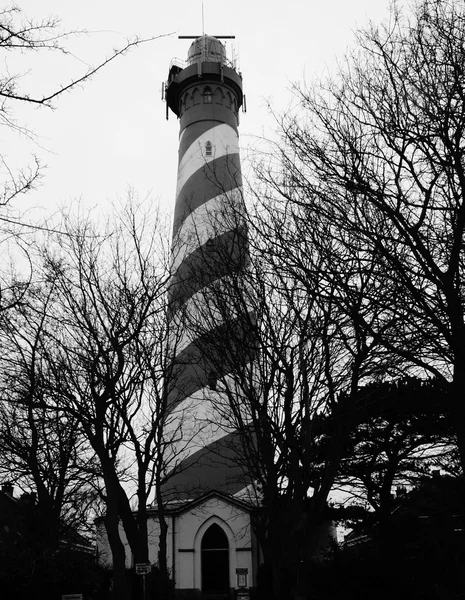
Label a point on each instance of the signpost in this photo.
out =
(143, 569)
(242, 591)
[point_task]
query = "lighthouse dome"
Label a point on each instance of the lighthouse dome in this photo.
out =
(206, 48)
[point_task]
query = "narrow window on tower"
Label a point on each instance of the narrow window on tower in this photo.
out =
(208, 149)
(219, 96)
(207, 96)
(212, 380)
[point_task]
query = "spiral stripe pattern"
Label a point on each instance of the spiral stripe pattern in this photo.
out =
(209, 246)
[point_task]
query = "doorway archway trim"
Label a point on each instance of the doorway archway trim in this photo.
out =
(198, 553)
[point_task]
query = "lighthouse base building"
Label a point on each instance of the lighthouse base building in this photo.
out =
(212, 552)
(213, 549)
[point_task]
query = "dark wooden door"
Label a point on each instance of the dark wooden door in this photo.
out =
(215, 561)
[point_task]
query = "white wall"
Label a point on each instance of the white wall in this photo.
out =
(189, 528)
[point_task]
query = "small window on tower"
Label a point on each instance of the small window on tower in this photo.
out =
(208, 149)
(207, 96)
(212, 380)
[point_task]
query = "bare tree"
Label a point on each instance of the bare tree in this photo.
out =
(43, 451)
(20, 35)
(376, 157)
(285, 350)
(106, 326)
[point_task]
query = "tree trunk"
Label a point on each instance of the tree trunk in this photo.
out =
(120, 589)
(162, 544)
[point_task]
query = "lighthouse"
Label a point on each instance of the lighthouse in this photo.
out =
(211, 545)
(209, 246)
(203, 514)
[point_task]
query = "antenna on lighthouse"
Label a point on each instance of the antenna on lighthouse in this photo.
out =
(203, 21)
(218, 37)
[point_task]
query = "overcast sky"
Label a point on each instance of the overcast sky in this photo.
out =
(112, 133)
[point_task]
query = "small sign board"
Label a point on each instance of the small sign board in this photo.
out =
(241, 578)
(143, 568)
(72, 597)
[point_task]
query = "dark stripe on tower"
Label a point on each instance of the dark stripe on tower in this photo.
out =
(220, 466)
(220, 175)
(192, 368)
(206, 96)
(208, 113)
(220, 256)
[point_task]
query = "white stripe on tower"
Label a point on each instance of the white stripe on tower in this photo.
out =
(213, 311)
(224, 140)
(209, 247)
(209, 220)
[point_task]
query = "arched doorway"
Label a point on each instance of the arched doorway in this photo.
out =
(215, 561)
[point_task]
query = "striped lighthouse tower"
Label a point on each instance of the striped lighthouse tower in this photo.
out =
(209, 248)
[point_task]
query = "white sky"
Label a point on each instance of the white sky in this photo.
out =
(112, 133)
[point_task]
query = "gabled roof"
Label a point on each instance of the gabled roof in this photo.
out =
(181, 506)
(177, 507)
